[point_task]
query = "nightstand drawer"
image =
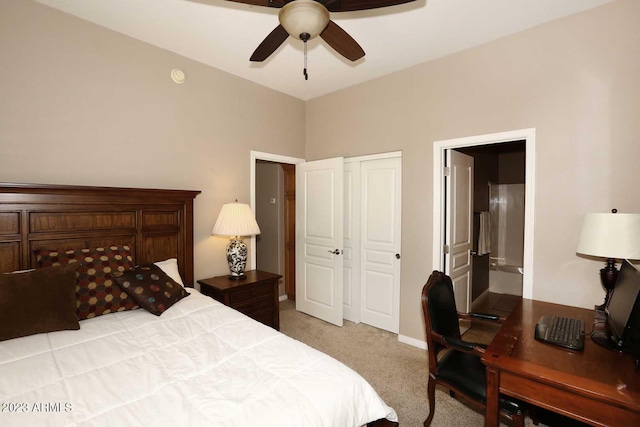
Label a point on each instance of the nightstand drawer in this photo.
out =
(264, 316)
(243, 295)
(253, 305)
(256, 295)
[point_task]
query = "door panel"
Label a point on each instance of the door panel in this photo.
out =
(381, 183)
(461, 285)
(319, 232)
(458, 225)
(378, 286)
(320, 295)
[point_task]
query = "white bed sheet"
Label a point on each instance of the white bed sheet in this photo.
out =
(199, 364)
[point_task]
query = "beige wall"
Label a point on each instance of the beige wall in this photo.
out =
(80, 104)
(575, 80)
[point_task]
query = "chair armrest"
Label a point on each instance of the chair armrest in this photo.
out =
(462, 345)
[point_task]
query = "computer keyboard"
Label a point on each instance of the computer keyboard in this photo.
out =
(563, 331)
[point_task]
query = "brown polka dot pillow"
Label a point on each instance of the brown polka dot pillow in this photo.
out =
(96, 292)
(151, 288)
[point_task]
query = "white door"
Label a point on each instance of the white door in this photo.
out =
(459, 226)
(381, 204)
(319, 239)
(352, 270)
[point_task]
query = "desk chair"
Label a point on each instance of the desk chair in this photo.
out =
(459, 369)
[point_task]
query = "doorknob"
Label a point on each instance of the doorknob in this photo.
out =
(397, 256)
(336, 252)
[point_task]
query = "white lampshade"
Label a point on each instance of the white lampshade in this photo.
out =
(610, 235)
(235, 219)
(304, 16)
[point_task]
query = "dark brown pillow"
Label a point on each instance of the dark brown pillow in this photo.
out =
(37, 301)
(96, 292)
(151, 288)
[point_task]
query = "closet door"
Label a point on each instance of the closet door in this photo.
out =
(381, 205)
(319, 239)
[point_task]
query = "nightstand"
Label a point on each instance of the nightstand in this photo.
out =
(256, 295)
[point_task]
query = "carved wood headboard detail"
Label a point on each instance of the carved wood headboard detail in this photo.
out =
(158, 224)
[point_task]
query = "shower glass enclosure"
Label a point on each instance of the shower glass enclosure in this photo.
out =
(506, 208)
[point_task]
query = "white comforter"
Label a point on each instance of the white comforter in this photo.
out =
(199, 364)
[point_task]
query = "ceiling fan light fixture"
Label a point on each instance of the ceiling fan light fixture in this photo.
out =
(304, 17)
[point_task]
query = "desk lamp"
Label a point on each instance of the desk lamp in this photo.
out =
(611, 236)
(236, 220)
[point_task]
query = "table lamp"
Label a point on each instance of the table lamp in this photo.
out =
(236, 220)
(611, 236)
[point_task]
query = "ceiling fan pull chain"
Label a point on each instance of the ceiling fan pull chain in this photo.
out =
(306, 76)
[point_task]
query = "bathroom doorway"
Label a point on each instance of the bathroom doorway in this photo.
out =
(498, 225)
(515, 148)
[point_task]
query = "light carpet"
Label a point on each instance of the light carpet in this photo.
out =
(397, 371)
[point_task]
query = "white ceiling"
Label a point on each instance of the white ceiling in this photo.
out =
(224, 34)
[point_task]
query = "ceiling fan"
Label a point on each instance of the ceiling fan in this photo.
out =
(307, 19)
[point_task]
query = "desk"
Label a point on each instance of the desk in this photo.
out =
(597, 386)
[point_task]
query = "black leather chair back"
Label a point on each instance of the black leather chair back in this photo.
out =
(442, 307)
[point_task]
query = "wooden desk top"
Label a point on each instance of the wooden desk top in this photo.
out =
(596, 372)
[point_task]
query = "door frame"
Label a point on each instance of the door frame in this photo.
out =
(254, 156)
(439, 148)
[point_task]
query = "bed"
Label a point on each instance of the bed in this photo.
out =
(198, 363)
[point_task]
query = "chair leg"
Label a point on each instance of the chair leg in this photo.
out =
(518, 419)
(431, 393)
(452, 393)
(534, 415)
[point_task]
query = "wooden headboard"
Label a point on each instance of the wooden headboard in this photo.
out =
(158, 224)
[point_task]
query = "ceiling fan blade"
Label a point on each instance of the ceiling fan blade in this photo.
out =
(350, 5)
(265, 3)
(342, 42)
(270, 44)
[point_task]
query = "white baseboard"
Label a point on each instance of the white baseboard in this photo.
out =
(412, 341)
(283, 297)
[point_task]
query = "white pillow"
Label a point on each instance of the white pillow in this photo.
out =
(170, 267)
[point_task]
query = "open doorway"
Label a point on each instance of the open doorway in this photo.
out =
(498, 225)
(275, 213)
(526, 139)
(273, 203)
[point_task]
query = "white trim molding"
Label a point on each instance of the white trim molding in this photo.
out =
(439, 147)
